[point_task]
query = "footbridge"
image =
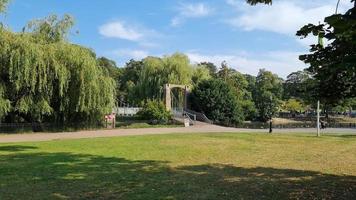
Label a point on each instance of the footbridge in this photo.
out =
(178, 105)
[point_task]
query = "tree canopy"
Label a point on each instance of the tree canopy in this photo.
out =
(3, 5)
(154, 72)
(268, 94)
(210, 66)
(218, 101)
(254, 2)
(45, 78)
(333, 66)
(51, 28)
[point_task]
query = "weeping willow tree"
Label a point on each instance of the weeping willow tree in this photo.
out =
(45, 78)
(3, 4)
(156, 72)
(200, 73)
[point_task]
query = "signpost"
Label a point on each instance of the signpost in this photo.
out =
(112, 118)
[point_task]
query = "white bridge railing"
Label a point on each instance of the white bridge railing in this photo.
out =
(126, 111)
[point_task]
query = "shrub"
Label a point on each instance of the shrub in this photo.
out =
(155, 111)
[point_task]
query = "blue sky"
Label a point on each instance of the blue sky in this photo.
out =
(247, 37)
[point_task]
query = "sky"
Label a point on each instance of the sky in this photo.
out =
(247, 37)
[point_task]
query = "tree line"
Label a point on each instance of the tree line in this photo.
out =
(45, 78)
(223, 93)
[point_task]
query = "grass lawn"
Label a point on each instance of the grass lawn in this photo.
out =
(145, 125)
(181, 166)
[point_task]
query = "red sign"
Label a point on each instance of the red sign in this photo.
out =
(111, 116)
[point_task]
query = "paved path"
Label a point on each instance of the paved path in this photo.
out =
(200, 128)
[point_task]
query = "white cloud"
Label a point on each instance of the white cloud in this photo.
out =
(233, 2)
(281, 63)
(131, 53)
(191, 10)
(121, 30)
(195, 10)
(284, 16)
(144, 37)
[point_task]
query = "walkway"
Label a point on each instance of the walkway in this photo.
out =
(200, 128)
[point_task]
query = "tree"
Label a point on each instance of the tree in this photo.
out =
(200, 73)
(225, 72)
(3, 5)
(154, 111)
(333, 66)
(249, 105)
(346, 106)
(111, 70)
(293, 105)
(218, 101)
(49, 79)
(131, 72)
(5, 104)
(240, 85)
(50, 29)
(254, 2)
(151, 79)
(251, 84)
(128, 81)
(110, 67)
(174, 69)
(268, 94)
(233, 78)
(211, 66)
(296, 85)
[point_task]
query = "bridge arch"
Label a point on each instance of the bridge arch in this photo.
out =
(168, 98)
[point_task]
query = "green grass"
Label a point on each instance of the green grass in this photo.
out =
(181, 166)
(145, 125)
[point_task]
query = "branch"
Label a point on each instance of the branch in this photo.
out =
(254, 2)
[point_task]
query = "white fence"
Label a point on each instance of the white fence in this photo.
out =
(126, 111)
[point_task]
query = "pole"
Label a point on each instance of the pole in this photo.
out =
(318, 119)
(271, 115)
(337, 6)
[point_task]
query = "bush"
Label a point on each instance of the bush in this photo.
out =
(218, 101)
(249, 110)
(155, 111)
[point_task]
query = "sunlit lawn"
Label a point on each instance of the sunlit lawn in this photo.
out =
(181, 166)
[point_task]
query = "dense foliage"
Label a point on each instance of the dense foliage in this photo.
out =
(268, 94)
(45, 78)
(110, 69)
(3, 4)
(333, 66)
(254, 2)
(218, 101)
(293, 106)
(156, 72)
(145, 79)
(155, 111)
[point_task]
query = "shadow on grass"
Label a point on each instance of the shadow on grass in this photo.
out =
(78, 176)
(16, 148)
(348, 136)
